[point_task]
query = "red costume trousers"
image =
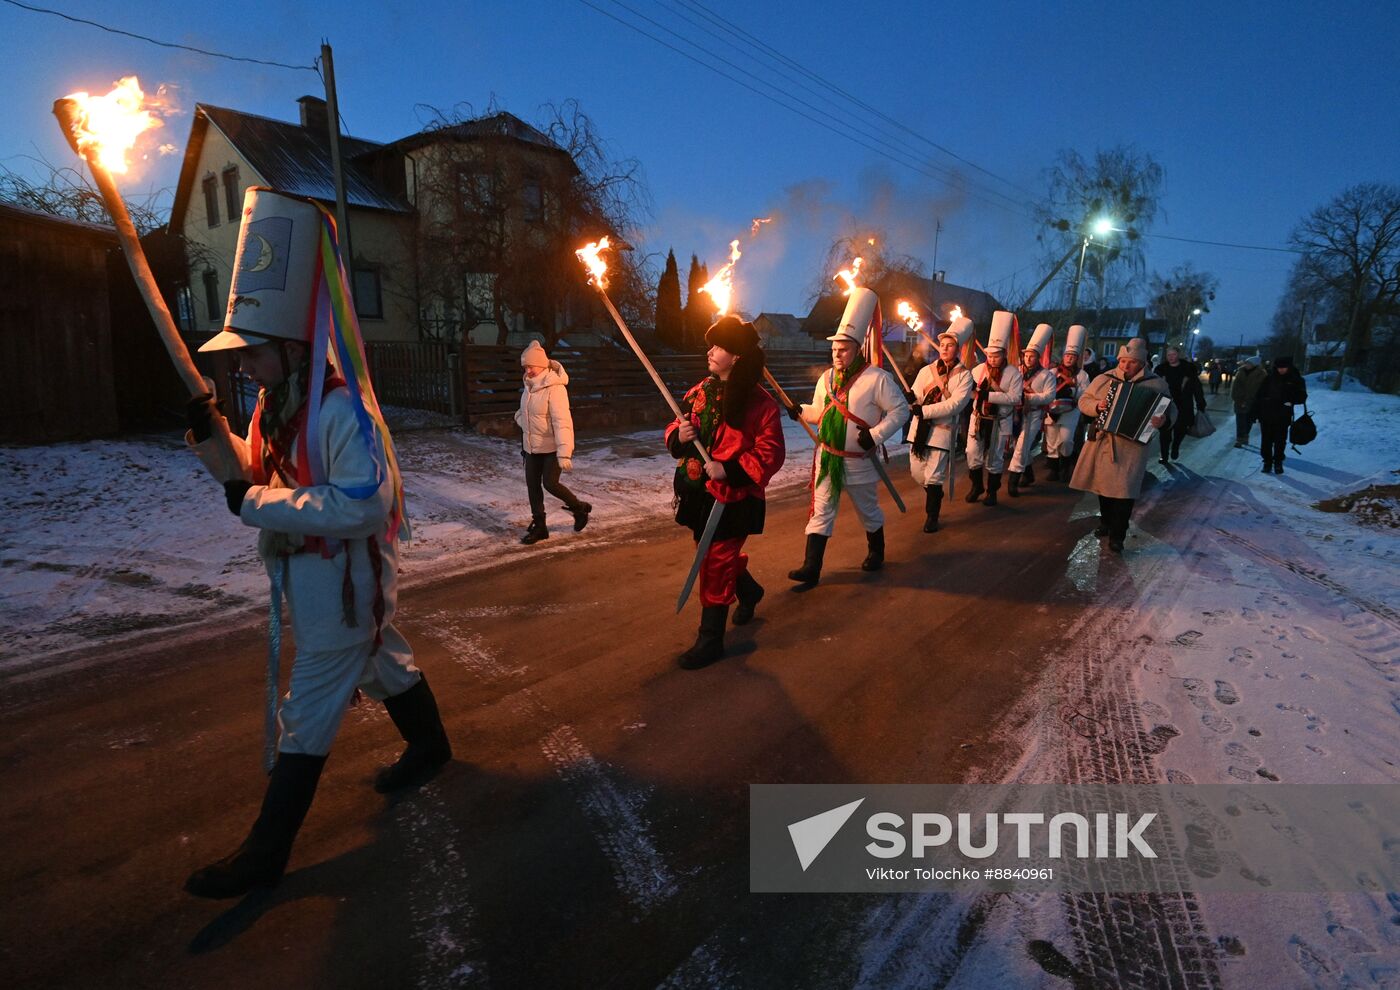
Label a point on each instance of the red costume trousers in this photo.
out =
(720, 570)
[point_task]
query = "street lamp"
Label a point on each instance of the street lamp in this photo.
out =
(1101, 227)
(1196, 332)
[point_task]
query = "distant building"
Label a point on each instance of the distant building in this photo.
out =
(783, 332)
(1109, 328)
(421, 267)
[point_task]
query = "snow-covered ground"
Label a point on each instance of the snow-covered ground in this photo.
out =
(108, 540)
(1245, 638)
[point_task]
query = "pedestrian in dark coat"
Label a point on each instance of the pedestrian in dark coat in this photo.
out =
(1184, 380)
(1280, 391)
(1243, 391)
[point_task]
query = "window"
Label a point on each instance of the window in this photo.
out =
(532, 201)
(369, 297)
(476, 192)
(184, 305)
(232, 200)
(211, 200)
(211, 294)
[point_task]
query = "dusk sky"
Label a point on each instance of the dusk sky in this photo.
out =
(1257, 112)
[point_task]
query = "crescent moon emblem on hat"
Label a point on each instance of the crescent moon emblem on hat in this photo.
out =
(265, 256)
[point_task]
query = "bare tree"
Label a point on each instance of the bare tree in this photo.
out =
(1351, 250)
(1119, 185)
(1180, 297)
(880, 267)
(66, 192)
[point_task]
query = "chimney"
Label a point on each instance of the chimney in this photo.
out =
(313, 113)
(940, 276)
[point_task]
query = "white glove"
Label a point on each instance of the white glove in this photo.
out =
(566, 463)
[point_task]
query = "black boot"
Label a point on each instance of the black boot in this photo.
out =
(1053, 463)
(974, 475)
(536, 532)
(262, 859)
(1013, 486)
(415, 715)
(811, 570)
(933, 502)
(993, 484)
(580, 511)
(709, 645)
(749, 593)
(875, 547)
(1028, 475)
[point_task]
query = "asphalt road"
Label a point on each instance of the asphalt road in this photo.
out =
(592, 830)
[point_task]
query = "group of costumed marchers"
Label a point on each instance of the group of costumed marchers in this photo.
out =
(318, 478)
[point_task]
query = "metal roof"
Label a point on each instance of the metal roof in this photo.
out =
(297, 160)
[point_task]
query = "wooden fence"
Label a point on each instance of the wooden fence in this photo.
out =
(481, 383)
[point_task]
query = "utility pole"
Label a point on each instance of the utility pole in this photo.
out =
(342, 218)
(937, 229)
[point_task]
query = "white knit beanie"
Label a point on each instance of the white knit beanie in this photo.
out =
(534, 356)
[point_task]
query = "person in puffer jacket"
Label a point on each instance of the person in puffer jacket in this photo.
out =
(548, 441)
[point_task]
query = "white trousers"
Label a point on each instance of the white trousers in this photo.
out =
(1059, 434)
(323, 681)
(1024, 452)
(934, 468)
(863, 496)
(994, 459)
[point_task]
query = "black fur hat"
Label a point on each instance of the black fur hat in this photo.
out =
(739, 338)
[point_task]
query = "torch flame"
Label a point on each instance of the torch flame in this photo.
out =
(592, 260)
(758, 222)
(848, 275)
(956, 314)
(109, 125)
(909, 315)
(721, 287)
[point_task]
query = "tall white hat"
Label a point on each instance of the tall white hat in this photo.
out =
(855, 321)
(1003, 328)
(960, 330)
(274, 272)
(1040, 339)
(1075, 339)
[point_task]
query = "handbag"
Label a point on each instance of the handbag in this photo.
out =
(1202, 427)
(1303, 430)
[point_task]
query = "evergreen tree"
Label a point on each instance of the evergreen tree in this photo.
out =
(699, 307)
(670, 318)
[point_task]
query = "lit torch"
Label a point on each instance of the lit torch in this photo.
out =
(104, 130)
(757, 223)
(721, 287)
(849, 275)
(592, 258)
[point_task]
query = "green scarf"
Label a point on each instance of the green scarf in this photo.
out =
(706, 402)
(832, 430)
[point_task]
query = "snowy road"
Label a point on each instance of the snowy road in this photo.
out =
(594, 830)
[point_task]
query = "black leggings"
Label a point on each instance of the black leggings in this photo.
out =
(1115, 513)
(1170, 438)
(541, 475)
(1273, 438)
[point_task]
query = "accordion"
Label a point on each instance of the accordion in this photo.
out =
(1130, 409)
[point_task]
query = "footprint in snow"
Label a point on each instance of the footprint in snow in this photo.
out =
(1188, 639)
(1225, 693)
(1216, 722)
(1310, 634)
(1242, 656)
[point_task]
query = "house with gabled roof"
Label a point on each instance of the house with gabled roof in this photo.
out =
(424, 265)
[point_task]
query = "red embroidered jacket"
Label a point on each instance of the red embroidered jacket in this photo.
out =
(757, 450)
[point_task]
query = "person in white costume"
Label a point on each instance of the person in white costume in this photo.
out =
(942, 389)
(1062, 416)
(1037, 390)
(857, 406)
(316, 478)
(995, 396)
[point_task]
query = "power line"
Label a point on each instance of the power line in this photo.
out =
(1225, 244)
(155, 41)
(760, 45)
(923, 168)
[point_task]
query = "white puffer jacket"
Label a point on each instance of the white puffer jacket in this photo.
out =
(544, 416)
